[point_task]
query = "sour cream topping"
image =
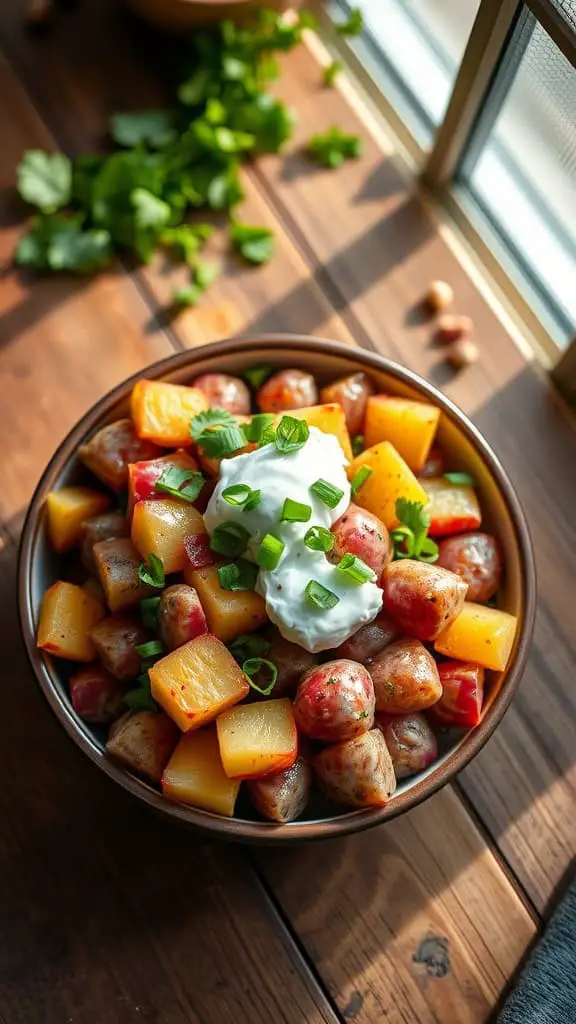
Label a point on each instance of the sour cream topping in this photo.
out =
(278, 477)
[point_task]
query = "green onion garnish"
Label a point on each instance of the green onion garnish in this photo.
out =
(357, 444)
(241, 495)
(270, 552)
(360, 478)
(327, 493)
(320, 596)
(464, 479)
(252, 666)
(151, 649)
(240, 575)
(141, 699)
(256, 375)
(151, 572)
(253, 501)
(210, 418)
(180, 483)
(291, 435)
(268, 436)
(257, 425)
(230, 539)
(217, 444)
(149, 608)
(319, 538)
(249, 645)
(355, 569)
(295, 512)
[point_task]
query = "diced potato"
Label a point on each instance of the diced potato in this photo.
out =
(257, 739)
(229, 612)
(330, 418)
(66, 618)
(194, 774)
(390, 479)
(162, 412)
(109, 452)
(117, 562)
(143, 476)
(409, 426)
(67, 509)
(479, 634)
(452, 508)
(197, 681)
(159, 527)
(144, 741)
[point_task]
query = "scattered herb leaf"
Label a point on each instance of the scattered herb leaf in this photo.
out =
(463, 479)
(333, 147)
(410, 538)
(151, 572)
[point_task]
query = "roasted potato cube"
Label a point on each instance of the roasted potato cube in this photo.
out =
(198, 681)
(67, 509)
(181, 616)
(95, 694)
(405, 677)
(162, 412)
(194, 774)
(391, 478)
(143, 476)
(410, 426)
(257, 739)
(411, 743)
(480, 634)
(423, 598)
(452, 507)
(160, 527)
(143, 741)
(282, 797)
(462, 694)
(117, 563)
(115, 639)
(66, 618)
(351, 393)
(108, 453)
(358, 772)
(229, 612)
(104, 527)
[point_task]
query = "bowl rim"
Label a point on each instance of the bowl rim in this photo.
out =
(242, 830)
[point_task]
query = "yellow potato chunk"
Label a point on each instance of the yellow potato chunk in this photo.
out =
(159, 527)
(194, 774)
(117, 562)
(67, 509)
(162, 412)
(330, 418)
(66, 617)
(229, 612)
(409, 426)
(389, 480)
(479, 634)
(257, 739)
(197, 681)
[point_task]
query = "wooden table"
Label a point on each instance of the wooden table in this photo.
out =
(108, 915)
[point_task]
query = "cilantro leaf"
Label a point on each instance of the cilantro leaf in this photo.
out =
(332, 147)
(210, 418)
(195, 89)
(255, 244)
(330, 73)
(152, 127)
(186, 239)
(205, 274)
(45, 179)
(353, 24)
(150, 212)
(187, 296)
(60, 243)
(410, 538)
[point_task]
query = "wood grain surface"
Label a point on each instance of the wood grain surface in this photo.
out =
(419, 920)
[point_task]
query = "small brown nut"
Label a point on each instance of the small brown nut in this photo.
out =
(462, 353)
(439, 295)
(452, 326)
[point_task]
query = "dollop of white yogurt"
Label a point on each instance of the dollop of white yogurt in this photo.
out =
(277, 477)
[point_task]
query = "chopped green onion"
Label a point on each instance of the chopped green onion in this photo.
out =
(249, 645)
(210, 418)
(360, 478)
(230, 539)
(241, 495)
(291, 435)
(256, 375)
(295, 512)
(257, 425)
(216, 444)
(180, 483)
(151, 572)
(141, 699)
(252, 666)
(327, 493)
(240, 575)
(319, 538)
(320, 596)
(268, 436)
(355, 569)
(253, 501)
(464, 479)
(357, 444)
(151, 649)
(270, 552)
(149, 608)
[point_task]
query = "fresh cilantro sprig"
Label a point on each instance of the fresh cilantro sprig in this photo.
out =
(211, 418)
(353, 24)
(333, 147)
(410, 538)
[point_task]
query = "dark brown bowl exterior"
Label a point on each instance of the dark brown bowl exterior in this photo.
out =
(326, 358)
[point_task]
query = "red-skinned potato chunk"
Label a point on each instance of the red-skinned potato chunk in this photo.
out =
(224, 392)
(462, 694)
(335, 701)
(95, 694)
(370, 639)
(67, 615)
(181, 616)
(351, 393)
(405, 677)
(143, 476)
(108, 453)
(257, 739)
(287, 389)
(358, 772)
(435, 464)
(282, 797)
(476, 558)
(291, 660)
(160, 527)
(410, 741)
(143, 741)
(115, 639)
(117, 562)
(97, 528)
(423, 598)
(360, 533)
(67, 509)
(452, 507)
